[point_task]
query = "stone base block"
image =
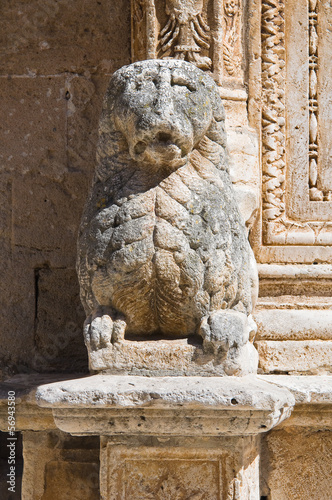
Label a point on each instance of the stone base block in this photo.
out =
(168, 406)
(57, 465)
(171, 357)
(156, 469)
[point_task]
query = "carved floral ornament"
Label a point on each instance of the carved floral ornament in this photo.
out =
(206, 33)
(296, 152)
(186, 32)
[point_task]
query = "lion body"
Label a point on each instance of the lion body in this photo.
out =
(159, 247)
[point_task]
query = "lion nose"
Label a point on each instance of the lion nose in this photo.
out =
(163, 137)
(163, 103)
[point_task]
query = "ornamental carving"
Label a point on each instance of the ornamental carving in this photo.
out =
(206, 33)
(296, 145)
(232, 37)
(186, 35)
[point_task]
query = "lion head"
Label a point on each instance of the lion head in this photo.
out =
(158, 112)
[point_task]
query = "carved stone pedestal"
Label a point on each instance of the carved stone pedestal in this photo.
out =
(171, 437)
(159, 468)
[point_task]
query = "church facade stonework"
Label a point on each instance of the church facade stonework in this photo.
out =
(192, 357)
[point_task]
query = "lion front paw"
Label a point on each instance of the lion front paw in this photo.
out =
(100, 330)
(224, 330)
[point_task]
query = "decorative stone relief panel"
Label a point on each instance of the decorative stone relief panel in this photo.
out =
(163, 471)
(204, 32)
(295, 122)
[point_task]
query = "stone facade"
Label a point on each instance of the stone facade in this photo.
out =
(270, 60)
(56, 61)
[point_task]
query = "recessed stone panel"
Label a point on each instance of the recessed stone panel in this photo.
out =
(294, 118)
(226, 468)
(297, 464)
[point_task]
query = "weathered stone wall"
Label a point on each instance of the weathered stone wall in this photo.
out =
(296, 464)
(56, 60)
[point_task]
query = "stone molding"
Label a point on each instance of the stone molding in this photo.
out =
(88, 401)
(294, 84)
(170, 406)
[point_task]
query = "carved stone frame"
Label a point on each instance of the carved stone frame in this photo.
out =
(294, 224)
(219, 35)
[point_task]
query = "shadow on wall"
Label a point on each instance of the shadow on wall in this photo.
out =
(59, 57)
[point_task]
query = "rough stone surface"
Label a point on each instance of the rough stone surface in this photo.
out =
(53, 37)
(162, 247)
(166, 406)
(56, 58)
(179, 468)
(130, 391)
(296, 464)
(57, 465)
(311, 357)
(306, 389)
(58, 343)
(28, 415)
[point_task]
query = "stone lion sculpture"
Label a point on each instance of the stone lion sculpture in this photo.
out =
(163, 251)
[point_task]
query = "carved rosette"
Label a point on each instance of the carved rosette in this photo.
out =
(206, 33)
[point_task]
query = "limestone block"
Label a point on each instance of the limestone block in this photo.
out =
(51, 37)
(59, 317)
(29, 416)
(243, 158)
(5, 212)
(17, 306)
(299, 283)
(243, 147)
(308, 389)
(16, 292)
(313, 397)
(247, 201)
(79, 481)
(302, 356)
(162, 245)
(297, 464)
(175, 469)
(45, 206)
(293, 324)
(34, 126)
(168, 406)
(59, 465)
